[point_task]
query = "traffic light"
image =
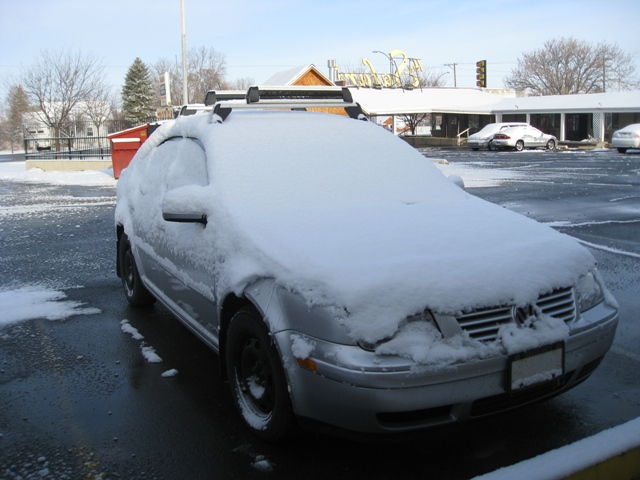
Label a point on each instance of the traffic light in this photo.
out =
(481, 74)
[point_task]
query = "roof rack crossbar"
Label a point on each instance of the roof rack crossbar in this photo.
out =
(281, 98)
(213, 97)
(298, 94)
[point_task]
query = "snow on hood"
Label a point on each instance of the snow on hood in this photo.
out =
(349, 216)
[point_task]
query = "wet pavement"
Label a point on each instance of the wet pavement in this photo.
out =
(78, 399)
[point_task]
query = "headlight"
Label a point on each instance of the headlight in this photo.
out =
(589, 291)
(425, 316)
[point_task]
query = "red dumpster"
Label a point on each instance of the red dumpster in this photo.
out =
(124, 146)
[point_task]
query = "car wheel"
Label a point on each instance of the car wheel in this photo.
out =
(135, 292)
(258, 383)
(519, 145)
(622, 150)
(492, 147)
(475, 149)
(551, 145)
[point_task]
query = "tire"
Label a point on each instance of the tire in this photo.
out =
(492, 147)
(622, 150)
(519, 145)
(134, 291)
(475, 149)
(258, 383)
(551, 145)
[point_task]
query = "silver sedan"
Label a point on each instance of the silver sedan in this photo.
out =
(627, 138)
(519, 138)
(345, 283)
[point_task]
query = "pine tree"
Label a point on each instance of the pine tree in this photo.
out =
(138, 94)
(18, 106)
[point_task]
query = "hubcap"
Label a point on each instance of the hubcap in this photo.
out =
(255, 376)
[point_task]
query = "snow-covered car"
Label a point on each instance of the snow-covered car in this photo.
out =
(343, 280)
(626, 138)
(519, 138)
(484, 137)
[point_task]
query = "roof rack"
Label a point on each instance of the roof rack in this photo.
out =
(295, 98)
(213, 97)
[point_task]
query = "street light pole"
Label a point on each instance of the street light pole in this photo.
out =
(390, 61)
(453, 65)
(185, 90)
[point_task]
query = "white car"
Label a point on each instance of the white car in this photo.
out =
(344, 281)
(519, 138)
(484, 138)
(628, 137)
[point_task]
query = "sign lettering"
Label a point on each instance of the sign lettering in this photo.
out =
(405, 74)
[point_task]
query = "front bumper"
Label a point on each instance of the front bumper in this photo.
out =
(359, 391)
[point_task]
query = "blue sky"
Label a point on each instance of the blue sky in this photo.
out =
(260, 38)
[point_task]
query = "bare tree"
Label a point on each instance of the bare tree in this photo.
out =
(206, 70)
(239, 84)
(431, 78)
(58, 81)
(98, 108)
(414, 120)
(570, 66)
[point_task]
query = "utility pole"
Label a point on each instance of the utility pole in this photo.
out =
(185, 89)
(453, 66)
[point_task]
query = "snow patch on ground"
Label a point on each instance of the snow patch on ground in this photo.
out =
(36, 301)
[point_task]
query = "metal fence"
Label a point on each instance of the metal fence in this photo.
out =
(79, 141)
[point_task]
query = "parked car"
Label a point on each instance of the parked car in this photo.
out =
(520, 138)
(484, 137)
(626, 138)
(343, 280)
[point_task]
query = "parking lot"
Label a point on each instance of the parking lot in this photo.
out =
(79, 397)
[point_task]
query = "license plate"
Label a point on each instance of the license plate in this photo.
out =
(541, 365)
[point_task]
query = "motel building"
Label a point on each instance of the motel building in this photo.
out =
(452, 114)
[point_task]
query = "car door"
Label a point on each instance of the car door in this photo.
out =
(172, 260)
(535, 139)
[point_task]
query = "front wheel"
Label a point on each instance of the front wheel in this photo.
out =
(135, 292)
(257, 379)
(551, 145)
(622, 150)
(519, 145)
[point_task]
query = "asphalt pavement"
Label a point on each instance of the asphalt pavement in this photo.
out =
(78, 399)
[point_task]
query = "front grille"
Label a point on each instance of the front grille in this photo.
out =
(483, 324)
(559, 304)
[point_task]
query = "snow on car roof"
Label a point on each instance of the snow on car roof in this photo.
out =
(348, 215)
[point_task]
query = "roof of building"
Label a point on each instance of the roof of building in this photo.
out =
(295, 75)
(609, 102)
(397, 101)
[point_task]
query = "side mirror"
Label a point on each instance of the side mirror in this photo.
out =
(186, 204)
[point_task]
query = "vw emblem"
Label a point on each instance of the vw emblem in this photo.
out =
(521, 314)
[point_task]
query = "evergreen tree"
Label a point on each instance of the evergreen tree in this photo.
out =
(18, 106)
(138, 94)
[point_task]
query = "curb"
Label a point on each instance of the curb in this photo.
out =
(613, 453)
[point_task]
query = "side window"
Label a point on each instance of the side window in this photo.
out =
(189, 165)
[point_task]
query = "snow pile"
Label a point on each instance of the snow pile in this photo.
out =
(37, 301)
(580, 456)
(16, 172)
(340, 212)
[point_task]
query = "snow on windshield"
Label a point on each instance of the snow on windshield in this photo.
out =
(349, 216)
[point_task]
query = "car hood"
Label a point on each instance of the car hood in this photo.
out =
(383, 263)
